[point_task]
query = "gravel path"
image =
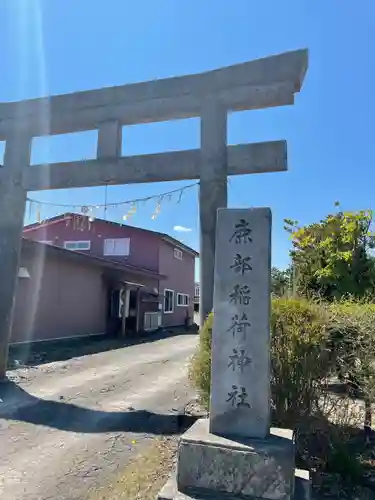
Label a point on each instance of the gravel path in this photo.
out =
(67, 427)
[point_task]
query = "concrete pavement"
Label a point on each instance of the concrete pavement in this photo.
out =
(67, 427)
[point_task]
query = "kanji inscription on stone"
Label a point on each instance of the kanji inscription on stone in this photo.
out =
(238, 360)
(241, 265)
(239, 325)
(240, 295)
(242, 232)
(238, 397)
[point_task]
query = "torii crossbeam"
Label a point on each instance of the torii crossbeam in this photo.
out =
(263, 83)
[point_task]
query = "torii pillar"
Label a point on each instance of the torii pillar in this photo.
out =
(212, 195)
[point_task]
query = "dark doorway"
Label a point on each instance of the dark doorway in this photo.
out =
(114, 312)
(131, 320)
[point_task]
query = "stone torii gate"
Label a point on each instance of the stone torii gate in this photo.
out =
(262, 83)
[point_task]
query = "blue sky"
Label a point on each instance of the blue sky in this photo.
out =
(60, 46)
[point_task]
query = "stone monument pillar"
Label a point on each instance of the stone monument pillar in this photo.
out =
(240, 380)
(235, 453)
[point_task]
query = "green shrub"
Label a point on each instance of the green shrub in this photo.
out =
(200, 368)
(352, 339)
(310, 343)
(298, 358)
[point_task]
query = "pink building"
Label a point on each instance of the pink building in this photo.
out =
(130, 279)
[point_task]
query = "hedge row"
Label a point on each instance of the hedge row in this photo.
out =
(311, 343)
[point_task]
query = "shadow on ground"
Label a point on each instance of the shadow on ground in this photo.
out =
(17, 404)
(34, 354)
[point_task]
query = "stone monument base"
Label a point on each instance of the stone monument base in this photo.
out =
(211, 466)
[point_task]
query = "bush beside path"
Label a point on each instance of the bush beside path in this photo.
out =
(322, 386)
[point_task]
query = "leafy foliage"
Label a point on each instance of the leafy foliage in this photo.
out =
(352, 340)
(299, 359)
(280, 281)
(200, 367)
(331, 258)
(306, 350)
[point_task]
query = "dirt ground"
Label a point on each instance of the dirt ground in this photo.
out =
(72, 428)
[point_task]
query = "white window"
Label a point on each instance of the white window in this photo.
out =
(117, 246)
(168, 301)
(77, 245)
(197, 291)
(182, 299)
(177, 254)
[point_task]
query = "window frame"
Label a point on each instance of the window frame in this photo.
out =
(177, 253)
(171, 303)
(88, 242)
(183, 296)
(115, 254)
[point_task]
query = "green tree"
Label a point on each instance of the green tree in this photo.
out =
(332, 258)
(280, 281)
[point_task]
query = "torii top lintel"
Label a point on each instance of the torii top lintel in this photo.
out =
(267, 82)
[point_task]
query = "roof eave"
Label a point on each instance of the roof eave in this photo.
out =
(52, 249)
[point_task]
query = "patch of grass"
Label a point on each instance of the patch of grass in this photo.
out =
(144, 476)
